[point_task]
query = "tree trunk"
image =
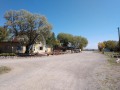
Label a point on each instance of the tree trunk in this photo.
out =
(27, 49)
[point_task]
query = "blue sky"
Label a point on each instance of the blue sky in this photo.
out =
(97, 20)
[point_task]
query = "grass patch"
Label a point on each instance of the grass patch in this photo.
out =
(112, 61)
(7, 54)
(4, 69)
(110, 54)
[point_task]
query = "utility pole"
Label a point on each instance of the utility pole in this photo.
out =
(119, 38)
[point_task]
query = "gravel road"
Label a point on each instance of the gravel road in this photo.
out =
(81, 71)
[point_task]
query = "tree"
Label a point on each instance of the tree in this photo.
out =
(65, 39)
(52, 41)
(3, 34)
(83, 43)
(101, 46)
(110, 44)
(75, 41)
(27, 27)
(80, 42)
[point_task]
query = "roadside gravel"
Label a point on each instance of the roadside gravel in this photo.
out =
(81, 71)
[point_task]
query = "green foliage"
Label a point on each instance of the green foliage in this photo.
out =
(76, 41)
(57, 43)
(65, 38)
(25, 26)
(80, 42)
(83, 42)
(111, 45)
(50, 40)
(101, 46)
(7, 54)
(3, 34)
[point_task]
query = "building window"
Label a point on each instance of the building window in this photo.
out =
(41, 48)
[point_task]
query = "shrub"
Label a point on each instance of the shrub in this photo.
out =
(7, 54)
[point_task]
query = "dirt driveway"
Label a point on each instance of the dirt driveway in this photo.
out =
(81, 71)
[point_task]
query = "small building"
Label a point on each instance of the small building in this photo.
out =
(39, 48)
(9, 47)
(16, 47)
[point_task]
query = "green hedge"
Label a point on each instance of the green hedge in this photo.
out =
(7, 54)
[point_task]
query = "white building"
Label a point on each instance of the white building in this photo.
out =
(39, 48)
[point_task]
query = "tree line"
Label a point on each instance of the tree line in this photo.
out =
(109, 45)
(68, 40)
(29, 28)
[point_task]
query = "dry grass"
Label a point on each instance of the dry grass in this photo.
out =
(112, 61)
(4, 69)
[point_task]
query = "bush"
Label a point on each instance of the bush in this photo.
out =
(7, 54)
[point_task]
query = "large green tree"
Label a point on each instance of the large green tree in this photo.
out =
(27, 27)
(75, 41)
(65, 38)
(80, 42)
(111, 45)
(52, 41)
(101, 46)
(83, 43)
